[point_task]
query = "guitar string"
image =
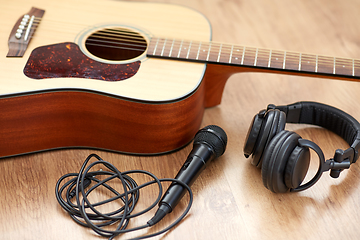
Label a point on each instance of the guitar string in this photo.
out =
(75, 26)
(114, 40)
(328, 61)
(225, 48)
(37, 20)
(264, 52)
(127, 37)
(291, 58)
(290, 55)
(111, 32)
(68, 26)
(295, 57)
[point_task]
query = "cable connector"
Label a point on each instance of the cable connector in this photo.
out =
(87, 183)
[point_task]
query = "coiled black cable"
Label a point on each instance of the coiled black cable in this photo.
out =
(79, 186)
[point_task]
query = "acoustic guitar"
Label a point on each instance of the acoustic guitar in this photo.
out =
(129, 77)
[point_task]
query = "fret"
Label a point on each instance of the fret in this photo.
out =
(218, 59)
(231, 53)
(157, 42)
(184, 49)
(203, 51)
(198, 52)
(188, 52)
(208, 53)
(284, 61)
(193, 51)
(308, 62)
(151, 46)
(163, 48)
(353, 67)
(249, 56)
(237, 54)
(178, 55)
(344, 66)
(159, 47)
(269, 63)
(243, 56)
(262, 58)
(256, 56)
(277, 59)
(172, 47)
(166, 48)
(175, 48)
(225, 53)
(292, 61)
(213, 54)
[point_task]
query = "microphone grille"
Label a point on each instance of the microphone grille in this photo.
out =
(214, 136)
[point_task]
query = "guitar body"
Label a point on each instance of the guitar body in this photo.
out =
(154, 107)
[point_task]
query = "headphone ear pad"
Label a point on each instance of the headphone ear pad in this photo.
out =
(253, 133)
(275, 161)
(273, 123)
(297, 167)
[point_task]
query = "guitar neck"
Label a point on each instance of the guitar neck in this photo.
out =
(255, 59)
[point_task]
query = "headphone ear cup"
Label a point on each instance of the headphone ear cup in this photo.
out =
(297, 167)
(275, 160)
(253, 133)
(273, 123)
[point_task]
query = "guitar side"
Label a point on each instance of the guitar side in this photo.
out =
(157, 110)
(70, 119)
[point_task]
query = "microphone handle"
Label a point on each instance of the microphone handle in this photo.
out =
(193, 166)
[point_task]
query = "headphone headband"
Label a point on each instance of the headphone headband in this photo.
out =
(327, 117)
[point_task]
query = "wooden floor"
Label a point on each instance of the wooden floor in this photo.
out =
(230, 201)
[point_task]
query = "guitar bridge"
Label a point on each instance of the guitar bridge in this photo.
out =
(23, 32)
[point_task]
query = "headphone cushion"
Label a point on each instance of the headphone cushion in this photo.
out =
(262, 137)
(253, 134)
(297, 166)
(274, 122)
(275, 160)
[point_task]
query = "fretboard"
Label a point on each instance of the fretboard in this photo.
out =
(218, 53)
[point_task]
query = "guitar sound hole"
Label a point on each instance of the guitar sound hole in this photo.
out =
(116, 44)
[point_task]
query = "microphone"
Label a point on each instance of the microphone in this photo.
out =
(209, 143)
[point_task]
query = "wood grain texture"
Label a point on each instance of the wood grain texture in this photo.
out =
(66, 119)
(230, 201)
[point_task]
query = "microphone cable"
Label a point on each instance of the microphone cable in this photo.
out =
(83, 212)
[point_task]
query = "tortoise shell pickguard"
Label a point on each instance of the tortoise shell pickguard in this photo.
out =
(65, 60)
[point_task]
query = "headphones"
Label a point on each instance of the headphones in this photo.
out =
(284, 157)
